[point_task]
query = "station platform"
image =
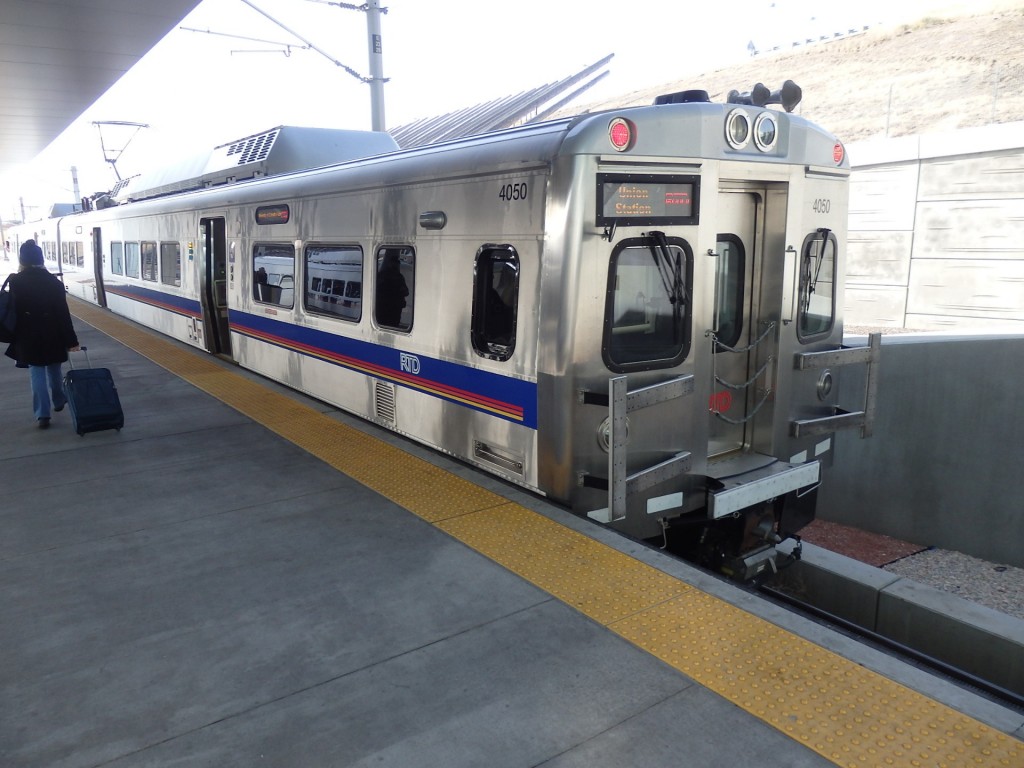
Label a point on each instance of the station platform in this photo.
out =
(244, 576)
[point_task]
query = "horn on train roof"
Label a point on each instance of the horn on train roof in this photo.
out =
(757, 96)
(788, 96)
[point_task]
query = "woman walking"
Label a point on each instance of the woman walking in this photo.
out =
(44, 334)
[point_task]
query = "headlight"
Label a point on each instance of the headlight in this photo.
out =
(766, 132)
(737, 129)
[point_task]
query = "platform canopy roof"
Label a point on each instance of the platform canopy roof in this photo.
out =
(504, 112)
(59, 56)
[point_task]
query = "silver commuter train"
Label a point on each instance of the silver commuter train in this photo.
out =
(636, 313)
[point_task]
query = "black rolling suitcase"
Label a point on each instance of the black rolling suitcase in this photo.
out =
(92, 398)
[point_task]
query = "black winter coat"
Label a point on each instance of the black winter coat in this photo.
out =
(44, 332)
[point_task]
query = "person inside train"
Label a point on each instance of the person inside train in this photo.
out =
(262, 292)
(44, 333)
(497, 318)
(391, 290)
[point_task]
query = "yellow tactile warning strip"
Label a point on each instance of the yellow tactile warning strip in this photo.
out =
(844, 712)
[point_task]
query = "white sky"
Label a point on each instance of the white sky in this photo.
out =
(198, 90)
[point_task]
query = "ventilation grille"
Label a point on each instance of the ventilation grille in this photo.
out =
(384, 401)
(253, 149)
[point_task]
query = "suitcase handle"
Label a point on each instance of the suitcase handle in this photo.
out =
(71, 360)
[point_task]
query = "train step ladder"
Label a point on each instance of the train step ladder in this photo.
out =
(842, 419)
(621, 402)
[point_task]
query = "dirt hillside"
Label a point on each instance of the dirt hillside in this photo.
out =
(958, 68)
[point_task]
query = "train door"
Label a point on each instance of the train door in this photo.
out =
(97, 263)
(213, 285)
(641, 414)
(741, 337)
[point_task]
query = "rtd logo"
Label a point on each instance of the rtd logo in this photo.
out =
(720, 402)
(409, 363)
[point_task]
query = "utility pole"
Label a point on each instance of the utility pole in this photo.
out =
(376, 79)
(74, 186)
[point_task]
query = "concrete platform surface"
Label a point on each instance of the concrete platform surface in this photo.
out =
(194, 590)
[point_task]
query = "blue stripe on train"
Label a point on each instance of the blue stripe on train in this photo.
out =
(508, 398)
(180, 305)
(512, 399)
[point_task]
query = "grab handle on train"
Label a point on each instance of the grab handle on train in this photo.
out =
(789, 275)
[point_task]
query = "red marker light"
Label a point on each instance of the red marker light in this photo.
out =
(621, 134)
(838, 153)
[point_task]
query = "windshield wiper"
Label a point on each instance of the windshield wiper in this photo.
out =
(825, 233)
(671, 270)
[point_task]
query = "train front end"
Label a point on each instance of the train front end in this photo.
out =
(703, 377)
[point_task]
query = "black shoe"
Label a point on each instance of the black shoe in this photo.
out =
(44, 423)
(59, 408)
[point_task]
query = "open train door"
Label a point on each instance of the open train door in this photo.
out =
(213, 286)
(97, 261)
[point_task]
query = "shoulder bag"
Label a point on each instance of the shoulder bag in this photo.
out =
(8, 315)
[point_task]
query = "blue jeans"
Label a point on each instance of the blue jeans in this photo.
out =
(46, 379)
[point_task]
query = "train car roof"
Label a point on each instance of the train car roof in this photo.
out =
(688, 131)
(274, 152)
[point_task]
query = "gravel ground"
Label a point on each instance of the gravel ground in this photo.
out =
(1000, 587)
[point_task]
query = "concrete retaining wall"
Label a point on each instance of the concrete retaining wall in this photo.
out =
(945, 466)
(978, 640)
(936, 231)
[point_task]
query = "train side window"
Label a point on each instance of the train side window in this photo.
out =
(131, 259)
(729, 289)
(495, 300)
(648, 306)
(117, 258)
(395, 287)
(149, 262)
(817, 307)
(334, 277)
(273, 269)
(170, 263)
(72, 254)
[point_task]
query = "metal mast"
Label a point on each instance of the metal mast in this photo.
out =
(376, 79)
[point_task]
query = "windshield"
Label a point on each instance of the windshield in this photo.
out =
(817, 286)
(647, 323)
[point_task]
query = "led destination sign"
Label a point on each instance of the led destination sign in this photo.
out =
(646, 199)
(273, 214)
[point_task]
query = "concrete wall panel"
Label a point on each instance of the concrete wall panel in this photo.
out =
(883, 198)
(969, 229)
(998, 174)
(878, 257)
(957, 196)
(943, 467)
(876, 306)
(952, 323)
(992, 290)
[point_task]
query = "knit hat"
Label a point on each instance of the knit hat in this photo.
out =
(30, 255)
